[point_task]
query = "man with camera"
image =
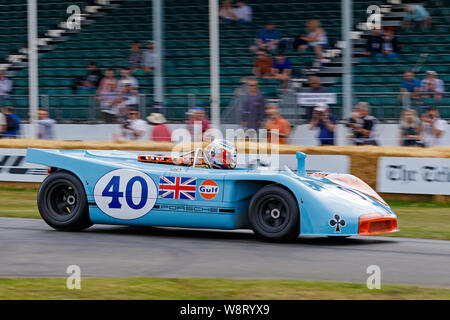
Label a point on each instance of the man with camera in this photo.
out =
(133, 128)
(325, 121)
(433, 127)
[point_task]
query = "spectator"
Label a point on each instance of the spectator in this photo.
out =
(363, 125)
(107, 80)
(282, 69)
(92, 80)
(226, 12)
(5, 86)
(128, 78)
(433, 127)
(316, 39)
(277, 127)
(326, 122)
(46, 126)
(243, 13)
(236, 104)
(410, 85)
(390, 46)
(133, 127)
(262, 66)
(267, 38)
(109, 96)
(253, 107)
(136, 58)
(433, 86)
(160, 131)
(128, 97)
(2, 124)
(13, 123)
(374, 43)
(410, 129)
(197, 118)
(149, 57)
(416, 16)
(315, 86)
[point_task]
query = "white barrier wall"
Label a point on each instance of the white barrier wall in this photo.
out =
(301, 135)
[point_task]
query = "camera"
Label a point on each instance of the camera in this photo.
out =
(126, 123)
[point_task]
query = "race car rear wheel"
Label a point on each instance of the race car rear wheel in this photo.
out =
(274, 213)
(62, 202)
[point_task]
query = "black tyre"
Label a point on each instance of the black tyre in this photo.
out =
(274, 214)
(62, 202)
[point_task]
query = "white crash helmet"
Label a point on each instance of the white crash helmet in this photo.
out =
(221, 154)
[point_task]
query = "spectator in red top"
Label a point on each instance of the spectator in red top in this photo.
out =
(160, 131)
(262, 66)
(197, 117)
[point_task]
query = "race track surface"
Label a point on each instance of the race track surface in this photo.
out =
(30, 248)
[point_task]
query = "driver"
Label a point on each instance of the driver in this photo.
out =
(221, 154)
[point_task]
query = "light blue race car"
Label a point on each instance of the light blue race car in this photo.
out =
(114, 187)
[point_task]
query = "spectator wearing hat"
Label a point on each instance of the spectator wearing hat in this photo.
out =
(433, 127)
(277, 126)
(433, 86)
(326, 122)
(197, 118)
(159, 130)
(133, 128)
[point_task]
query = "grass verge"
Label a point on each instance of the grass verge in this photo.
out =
(207, 289)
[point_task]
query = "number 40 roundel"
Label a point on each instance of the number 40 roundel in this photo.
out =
(125, 194)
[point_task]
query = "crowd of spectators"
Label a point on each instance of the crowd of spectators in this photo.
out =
(424, 132)
(382, 43)
(429, 87)
(242, 13)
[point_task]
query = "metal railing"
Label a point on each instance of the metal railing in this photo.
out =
(88, 109)
(383, 105)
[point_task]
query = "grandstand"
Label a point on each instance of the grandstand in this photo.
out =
(106, 38)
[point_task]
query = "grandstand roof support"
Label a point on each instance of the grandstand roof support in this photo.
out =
(214, 62)
(33, 68)
(347, 24)
(158, 76)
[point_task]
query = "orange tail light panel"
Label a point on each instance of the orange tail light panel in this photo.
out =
(371, 224)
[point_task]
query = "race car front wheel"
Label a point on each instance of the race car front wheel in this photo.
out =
(274, 213)
(62, 202)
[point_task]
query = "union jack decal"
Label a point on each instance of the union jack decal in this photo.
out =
(177, 188)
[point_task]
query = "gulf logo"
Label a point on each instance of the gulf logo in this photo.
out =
(208, 189)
